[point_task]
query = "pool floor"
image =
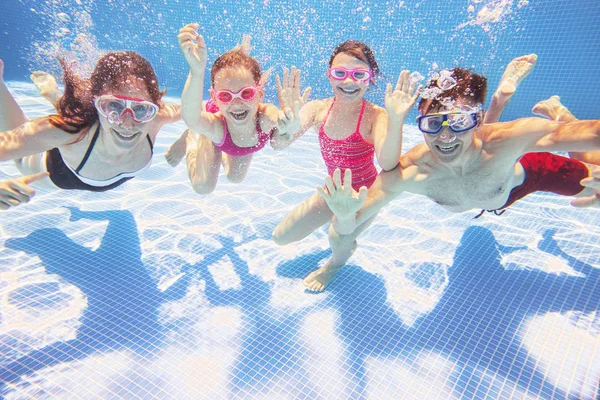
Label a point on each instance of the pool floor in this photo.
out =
(151, 291)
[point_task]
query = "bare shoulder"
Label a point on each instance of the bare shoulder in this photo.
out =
(420, 155)
(318, 108)
(43, 129)
(513, 137)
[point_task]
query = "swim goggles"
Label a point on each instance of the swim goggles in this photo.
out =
(457, 122)
(246, 94)
(358, 75)
(114, 108)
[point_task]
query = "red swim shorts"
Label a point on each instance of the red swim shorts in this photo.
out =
(549, 172)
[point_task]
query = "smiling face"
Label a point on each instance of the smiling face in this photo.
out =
(234, 79)
(127, 133)
(448, 146)
(348, 90)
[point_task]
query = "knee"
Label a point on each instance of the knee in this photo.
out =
(236, 177)
(204, 187)
(337, 241)
(279, 237)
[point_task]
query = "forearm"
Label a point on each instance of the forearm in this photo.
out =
(390, 146)
(11, 115)
(495, 110)
(191, 102)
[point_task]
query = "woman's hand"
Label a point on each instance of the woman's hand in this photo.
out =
(15, 191)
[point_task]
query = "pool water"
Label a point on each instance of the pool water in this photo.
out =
(151, 291)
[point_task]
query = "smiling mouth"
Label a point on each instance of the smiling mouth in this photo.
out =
(126, 138)
(240, 115)
(349, 91)
(447, 149)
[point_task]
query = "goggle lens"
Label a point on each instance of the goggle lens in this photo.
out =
(247, 94)
(225, 97)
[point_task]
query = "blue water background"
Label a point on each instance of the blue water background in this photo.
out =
(404, 34)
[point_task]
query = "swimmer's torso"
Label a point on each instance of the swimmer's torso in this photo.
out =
(101, 164)
(486, 184)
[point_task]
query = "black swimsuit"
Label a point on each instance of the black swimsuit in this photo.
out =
(65, 178)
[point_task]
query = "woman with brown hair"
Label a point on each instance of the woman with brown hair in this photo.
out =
(102, 136)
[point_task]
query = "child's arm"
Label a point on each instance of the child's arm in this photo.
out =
(193, 48)
(304, 121)
(169, 113)
(296, 115)
(387, 126)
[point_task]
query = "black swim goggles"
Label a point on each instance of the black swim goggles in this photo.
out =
(457, 122)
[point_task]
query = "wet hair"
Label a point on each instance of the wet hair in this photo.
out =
(358, 50)
(469, 86)
(76, 109)
(236, 58)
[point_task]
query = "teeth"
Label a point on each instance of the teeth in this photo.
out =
(125, 137)
(239, 115)
(447, 149)
(351, 91)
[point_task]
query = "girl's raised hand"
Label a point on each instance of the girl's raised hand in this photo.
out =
(402, 98)
(193, 47)
(289, 90)
(341, 198)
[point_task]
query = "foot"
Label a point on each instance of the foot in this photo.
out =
(552, 109)
(318, 280)
(46, 84)
(515, 72)
(177, 151)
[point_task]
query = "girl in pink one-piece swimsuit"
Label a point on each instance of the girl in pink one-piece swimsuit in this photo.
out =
(352, 132)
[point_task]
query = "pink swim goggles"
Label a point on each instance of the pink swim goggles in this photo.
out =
(114, 108)
(358, 74)
(245, 94)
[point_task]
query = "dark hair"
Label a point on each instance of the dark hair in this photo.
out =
(358, 50)
(469, 86)
(76, 108)
(236, 58)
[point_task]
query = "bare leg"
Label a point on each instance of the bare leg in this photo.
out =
(11, 115)
(554, 110)
(515, 72)
(343, 247)
(303, 220)
(236, 168)
(177, 150)
(47, 86)
(203, 163)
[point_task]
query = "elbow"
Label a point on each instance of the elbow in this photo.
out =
(388, 165)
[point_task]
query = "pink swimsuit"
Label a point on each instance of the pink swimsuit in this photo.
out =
(227, 146)
(352, 152)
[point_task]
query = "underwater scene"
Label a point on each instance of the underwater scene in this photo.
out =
(274, 199)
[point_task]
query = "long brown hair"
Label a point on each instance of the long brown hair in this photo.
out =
(76, 109)
(360, 51)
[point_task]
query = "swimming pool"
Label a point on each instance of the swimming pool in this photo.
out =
(152, 291)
